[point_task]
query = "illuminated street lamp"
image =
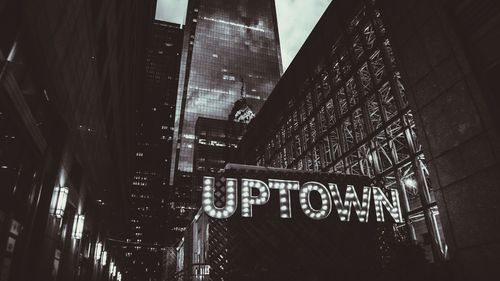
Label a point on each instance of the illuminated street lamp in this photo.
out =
(111, 266)
(104, 258)
(59, 199)
(78, 226)
(98, 251)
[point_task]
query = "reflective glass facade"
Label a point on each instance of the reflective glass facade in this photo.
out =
(352, 116)
(228, 46)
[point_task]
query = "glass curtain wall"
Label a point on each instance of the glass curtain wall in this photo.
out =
(352, 116)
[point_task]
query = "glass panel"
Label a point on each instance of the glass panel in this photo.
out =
(327, 151)
(378, 66)
(312, 129)
(409, 183)
(322, 124)
(369, 35)
(316, 158)
(335, 144)
(336, 73)
(342, 99)
(348, 132)
(364, 76)
(308, 104)
(352, 92)
(357, 46)
(388, 101)
(330, 112)
(359, 127)
(344, 62)
(374, 112)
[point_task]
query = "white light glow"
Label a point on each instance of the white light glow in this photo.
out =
(284, 187)
(394, 208)
(209, 198)
(59, 200)
(305, 203)
(111, 266)
(234, 24)
(410, 183)
(248, 200)
(98, 251)
(328, 197)
(351, 200)
(78, 225)
(104, 258)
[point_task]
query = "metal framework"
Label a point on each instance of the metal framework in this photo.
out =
(271, 248)
(352, 116)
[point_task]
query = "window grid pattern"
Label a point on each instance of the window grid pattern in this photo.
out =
(352, 116)
(234, 47)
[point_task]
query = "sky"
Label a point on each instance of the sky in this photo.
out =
(296, 19)
(171, 10)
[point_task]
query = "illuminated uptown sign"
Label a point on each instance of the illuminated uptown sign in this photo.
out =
(257, 192)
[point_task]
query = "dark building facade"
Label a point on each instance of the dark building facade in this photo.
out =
(69, 72)
(215, 145)
(154, 127)
(398, 91)
(154, 120)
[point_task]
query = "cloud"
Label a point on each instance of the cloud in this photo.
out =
(171, 10)
(296, 20)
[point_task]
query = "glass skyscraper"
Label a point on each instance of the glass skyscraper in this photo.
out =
(231, 49)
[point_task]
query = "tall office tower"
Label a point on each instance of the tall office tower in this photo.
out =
(227, 44)
(153, 147)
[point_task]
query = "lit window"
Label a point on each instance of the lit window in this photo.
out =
(228, 77)
(188, 136)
